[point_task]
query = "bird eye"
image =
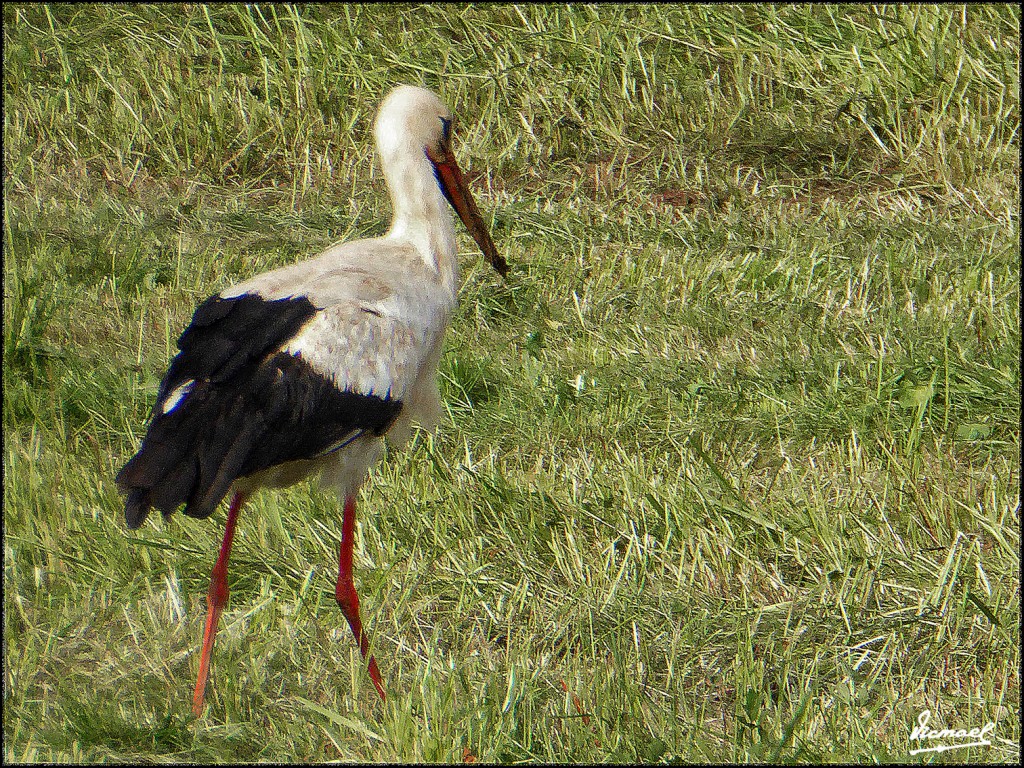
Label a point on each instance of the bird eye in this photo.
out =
(446, 129)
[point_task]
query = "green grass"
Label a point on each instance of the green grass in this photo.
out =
(733, 465)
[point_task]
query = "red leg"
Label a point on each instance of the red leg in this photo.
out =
(345, 591)
(216, 598)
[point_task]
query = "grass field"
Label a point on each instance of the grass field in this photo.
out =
(733, 464)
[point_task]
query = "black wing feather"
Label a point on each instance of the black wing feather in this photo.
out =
(250, 407)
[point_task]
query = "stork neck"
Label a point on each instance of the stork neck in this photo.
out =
(422, 215)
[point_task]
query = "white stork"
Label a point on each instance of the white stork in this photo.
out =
(305, 369)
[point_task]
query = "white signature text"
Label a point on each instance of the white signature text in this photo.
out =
(923, 733)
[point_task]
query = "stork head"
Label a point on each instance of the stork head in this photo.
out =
(412, 122)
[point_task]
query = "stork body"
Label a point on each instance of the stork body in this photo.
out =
(306, 369)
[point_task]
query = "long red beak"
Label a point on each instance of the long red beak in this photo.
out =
(453, 184)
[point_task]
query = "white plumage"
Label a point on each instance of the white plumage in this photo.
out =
(307, 368)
